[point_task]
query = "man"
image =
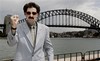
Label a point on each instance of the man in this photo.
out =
(30, 47)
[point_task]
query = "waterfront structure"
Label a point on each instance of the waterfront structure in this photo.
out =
(64, 18)
(7, 24)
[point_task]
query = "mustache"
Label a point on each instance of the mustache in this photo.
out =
(30, 17)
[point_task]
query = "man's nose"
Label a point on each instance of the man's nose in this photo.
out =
(31, 15)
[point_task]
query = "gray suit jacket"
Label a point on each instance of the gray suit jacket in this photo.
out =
(25, 50)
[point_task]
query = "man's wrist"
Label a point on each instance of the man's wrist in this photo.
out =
(13, 28)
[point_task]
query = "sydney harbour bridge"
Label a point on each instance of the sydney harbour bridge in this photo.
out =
(66, 18)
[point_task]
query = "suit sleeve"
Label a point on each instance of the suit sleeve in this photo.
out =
(48, 46)
(12, 39)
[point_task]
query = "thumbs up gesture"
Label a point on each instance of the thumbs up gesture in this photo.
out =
(14, 20)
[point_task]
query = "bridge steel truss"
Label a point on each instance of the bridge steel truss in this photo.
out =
(93, 22)
(65, 17)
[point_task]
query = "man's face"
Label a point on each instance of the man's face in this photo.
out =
(31, 15)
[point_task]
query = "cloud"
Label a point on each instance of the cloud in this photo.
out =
(91, 7)
(9, 7)
(56, 4)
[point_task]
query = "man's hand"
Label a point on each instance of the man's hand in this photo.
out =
(14, 21)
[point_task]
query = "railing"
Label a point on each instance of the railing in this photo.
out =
(68, 57)
(79, 56)
(76, 56)
(92, 55)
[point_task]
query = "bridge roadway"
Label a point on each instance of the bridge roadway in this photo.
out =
(2, 26)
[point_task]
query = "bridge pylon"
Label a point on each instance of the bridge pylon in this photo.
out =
(7, 26)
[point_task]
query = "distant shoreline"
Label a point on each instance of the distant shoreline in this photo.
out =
(3, 37)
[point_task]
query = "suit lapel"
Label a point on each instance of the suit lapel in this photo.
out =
(39, 29)
(27, 32)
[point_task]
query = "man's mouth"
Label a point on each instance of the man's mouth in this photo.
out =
(31, 18)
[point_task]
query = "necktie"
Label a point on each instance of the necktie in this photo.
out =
(33, 34)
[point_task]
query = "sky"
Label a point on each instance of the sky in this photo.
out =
(91, 7)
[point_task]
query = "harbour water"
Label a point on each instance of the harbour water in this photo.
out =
(61, 46)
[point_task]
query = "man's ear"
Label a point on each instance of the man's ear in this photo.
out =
(38, 14)
(24, 13)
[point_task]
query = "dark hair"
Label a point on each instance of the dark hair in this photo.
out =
(30, 5)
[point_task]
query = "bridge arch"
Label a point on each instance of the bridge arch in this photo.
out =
(92, 21)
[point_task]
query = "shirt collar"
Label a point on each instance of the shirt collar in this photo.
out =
(34, 25)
